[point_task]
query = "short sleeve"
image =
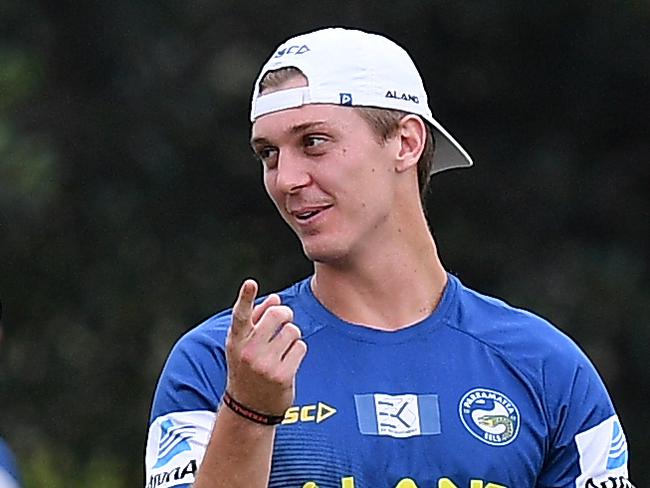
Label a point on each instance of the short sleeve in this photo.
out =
(9, 476)
(184, 408)
(587, 447)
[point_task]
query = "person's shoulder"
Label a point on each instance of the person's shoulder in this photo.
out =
(551, 361)
(209, 332)
(511, 330)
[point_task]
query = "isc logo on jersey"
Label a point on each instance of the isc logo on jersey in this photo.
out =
(308, 413)
(490, 416)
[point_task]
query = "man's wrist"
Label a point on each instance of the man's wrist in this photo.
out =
(249, 413)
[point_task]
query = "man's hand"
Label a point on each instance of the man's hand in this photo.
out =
(263, 352)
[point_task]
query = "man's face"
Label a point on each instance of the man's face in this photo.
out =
(329, 176)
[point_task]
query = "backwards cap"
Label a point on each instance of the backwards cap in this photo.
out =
(355, 68)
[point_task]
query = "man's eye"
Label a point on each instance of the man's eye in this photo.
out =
(313, 141)
(266, 154)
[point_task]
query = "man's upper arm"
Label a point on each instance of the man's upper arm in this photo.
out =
(588, 448)
(184, 409)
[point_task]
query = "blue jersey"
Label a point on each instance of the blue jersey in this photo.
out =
(9, 477)
(478, 395)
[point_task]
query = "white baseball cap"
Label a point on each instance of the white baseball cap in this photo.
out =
(355, 68)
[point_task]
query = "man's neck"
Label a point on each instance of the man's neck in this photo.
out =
(387, 289)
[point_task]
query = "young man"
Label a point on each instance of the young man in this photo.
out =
(381, 370)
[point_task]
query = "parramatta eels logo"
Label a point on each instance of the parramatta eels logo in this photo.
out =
(489, 416)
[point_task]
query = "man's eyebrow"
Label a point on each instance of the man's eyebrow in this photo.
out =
(296, 129)
(306, 126)
(258, 141)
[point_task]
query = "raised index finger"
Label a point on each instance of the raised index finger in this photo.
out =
(242, 322)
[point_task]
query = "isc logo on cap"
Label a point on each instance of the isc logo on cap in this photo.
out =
(292, 50)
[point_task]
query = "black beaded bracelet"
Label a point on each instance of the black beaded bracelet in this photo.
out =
(247, 413)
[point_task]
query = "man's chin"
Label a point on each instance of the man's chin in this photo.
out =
(323, 254)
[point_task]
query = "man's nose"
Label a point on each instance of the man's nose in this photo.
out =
(292, 172)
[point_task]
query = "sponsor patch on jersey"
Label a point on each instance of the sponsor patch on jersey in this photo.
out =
(611, 482)
(400, 416)
(317, 412)
(173, 441)
(174, 476)
(175, 446)
(602, 452)
(490, 416)
(617, 456)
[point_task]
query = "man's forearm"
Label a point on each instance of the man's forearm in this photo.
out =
(238, 454)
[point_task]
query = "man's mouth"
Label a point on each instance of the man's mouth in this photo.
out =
(304, 215)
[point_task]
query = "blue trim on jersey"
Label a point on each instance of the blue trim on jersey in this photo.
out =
(617, 456)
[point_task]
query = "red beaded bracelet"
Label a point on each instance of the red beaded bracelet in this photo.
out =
(247, 413)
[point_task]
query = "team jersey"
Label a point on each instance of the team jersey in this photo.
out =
(477, 395)
(9, 477)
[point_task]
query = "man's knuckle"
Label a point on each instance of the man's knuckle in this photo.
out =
(293, 331)
(248, 357)
(288, 313)
(280, 313)
(301, 347)
(259, 365)
(277, 377)
(275, 313)
(239, 317)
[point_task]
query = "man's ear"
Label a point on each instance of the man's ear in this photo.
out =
(412, 134)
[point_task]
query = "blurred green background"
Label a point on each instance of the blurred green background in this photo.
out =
(131, 207)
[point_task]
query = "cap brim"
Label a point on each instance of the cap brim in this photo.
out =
(448, 153)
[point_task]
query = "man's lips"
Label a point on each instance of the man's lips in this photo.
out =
(305, 214)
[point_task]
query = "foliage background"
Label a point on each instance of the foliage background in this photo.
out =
(131, 207)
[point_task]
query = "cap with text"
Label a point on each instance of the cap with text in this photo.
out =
(360, 69)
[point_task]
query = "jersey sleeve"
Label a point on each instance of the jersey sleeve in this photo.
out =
(587, 446)
(184, 408)
(9, 475)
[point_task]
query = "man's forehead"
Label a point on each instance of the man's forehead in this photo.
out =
(295, 120)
